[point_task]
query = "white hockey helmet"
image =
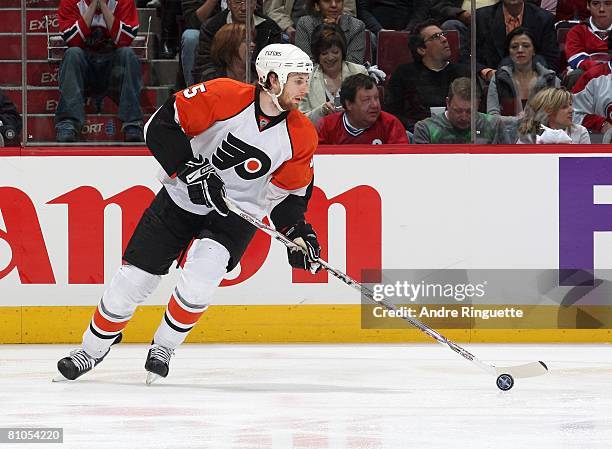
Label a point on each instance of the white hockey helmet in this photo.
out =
(281, 59)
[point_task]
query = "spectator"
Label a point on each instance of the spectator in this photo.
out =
(10, 122)
(457, 15)
(266, 32)
(330, 11)
(392, 14)
(593, 99)
(329, 52)
(229, 53)
(169, 11)
(516, 81)
(587, 44)
(287, 13)
(417, 87)
(362, 120)
(195, 13)
(453, 126)
(493, 23)
(548, 119)
(98, 59)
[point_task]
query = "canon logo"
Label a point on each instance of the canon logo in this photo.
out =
(33, 258)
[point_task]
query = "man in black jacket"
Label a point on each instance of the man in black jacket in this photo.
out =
(493, 23)
(266, 32)
(10, 122)
(417, 87)
(452, 16)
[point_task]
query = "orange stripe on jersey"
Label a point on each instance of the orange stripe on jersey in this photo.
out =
(105, 325)
(181, 315)
(201, 105)
(297, 172)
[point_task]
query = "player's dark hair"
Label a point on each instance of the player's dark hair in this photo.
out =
(324, 37)
(352, 84)
(416, 41)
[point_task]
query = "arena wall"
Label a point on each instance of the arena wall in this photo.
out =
(66, 214)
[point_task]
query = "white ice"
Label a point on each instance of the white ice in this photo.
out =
(314, 396)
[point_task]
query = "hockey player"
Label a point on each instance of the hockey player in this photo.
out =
(222, 138)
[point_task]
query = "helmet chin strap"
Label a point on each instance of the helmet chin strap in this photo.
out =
(274, 96)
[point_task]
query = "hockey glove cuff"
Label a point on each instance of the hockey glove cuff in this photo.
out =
(305, 237)
(204, 185)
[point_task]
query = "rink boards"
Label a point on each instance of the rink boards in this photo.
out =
(67, 213)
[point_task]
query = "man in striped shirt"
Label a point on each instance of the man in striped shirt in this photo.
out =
(98, 62)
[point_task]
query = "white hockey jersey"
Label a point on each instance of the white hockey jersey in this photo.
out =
(593, 97)
(260, 159)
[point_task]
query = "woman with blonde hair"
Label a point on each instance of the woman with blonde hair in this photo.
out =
(229, 53)
(548, 119)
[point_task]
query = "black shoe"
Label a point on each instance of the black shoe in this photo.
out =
(79, 362)
(167, 51)
(133, 133)
(158, 362)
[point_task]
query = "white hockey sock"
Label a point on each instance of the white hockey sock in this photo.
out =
(203, 271)
(129, 287)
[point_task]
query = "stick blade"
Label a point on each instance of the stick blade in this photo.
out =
(532, 369)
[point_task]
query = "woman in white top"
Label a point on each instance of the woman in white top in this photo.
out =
(548, 119)
(331, 68)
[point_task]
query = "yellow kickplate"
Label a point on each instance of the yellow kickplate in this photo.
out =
(277, 324)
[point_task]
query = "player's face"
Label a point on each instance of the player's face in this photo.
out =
(294, 91)
(562, 118)
(459, 111)
(601, 11)
(521, 50)
(331, 59)
(364, 111)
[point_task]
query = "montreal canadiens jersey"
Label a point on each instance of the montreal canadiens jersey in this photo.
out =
(261, 159)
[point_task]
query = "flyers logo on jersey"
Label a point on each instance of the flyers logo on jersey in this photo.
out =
(248, 161)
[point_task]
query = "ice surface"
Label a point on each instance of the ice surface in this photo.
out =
(314, 396)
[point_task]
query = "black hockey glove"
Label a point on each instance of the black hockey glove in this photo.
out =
(204, 185)
(306, 259)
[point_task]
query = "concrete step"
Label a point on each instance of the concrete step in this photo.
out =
(42, 100)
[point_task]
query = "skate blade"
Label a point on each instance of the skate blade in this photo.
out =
(152, 377)
(59, 378)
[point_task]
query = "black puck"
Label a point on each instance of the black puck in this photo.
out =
(505, 382)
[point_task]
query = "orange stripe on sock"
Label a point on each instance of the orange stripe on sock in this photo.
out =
(105, 325)
(181, 315)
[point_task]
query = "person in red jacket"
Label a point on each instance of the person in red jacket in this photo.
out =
(362, 121)
(100, 62)
(587, 44)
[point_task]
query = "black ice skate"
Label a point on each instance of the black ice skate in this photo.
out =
(158, 362)
(79, 363)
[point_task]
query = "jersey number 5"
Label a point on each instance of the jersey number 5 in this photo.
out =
(194, 90)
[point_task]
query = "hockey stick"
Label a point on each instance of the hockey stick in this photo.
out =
(518, 371)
